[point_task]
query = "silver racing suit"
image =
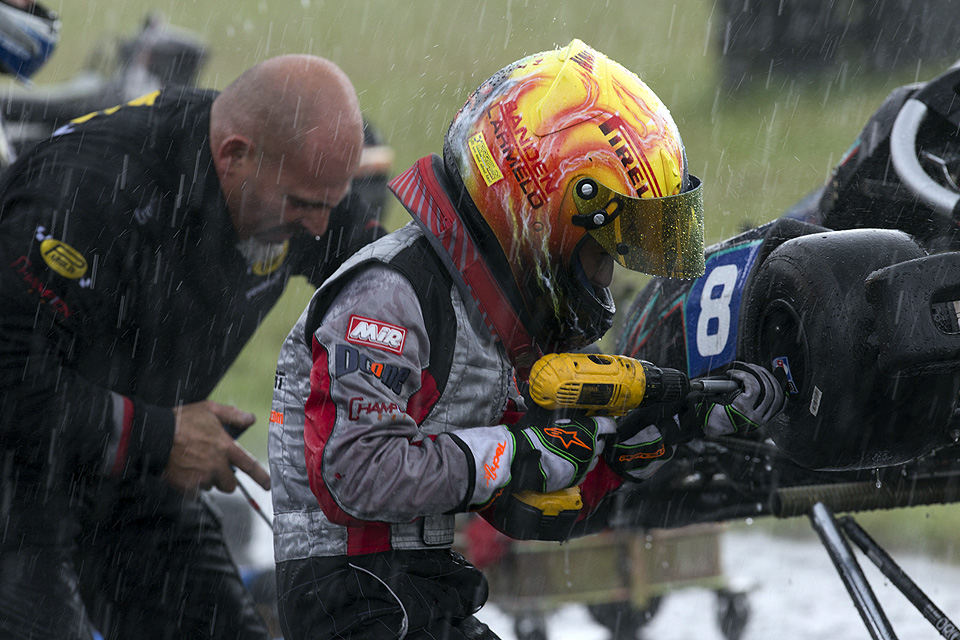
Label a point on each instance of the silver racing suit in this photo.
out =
(387, 411)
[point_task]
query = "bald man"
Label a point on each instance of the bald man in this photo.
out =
(140, 247)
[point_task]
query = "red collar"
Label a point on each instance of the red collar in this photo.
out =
(420, 191)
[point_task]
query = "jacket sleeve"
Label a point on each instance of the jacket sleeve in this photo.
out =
(62, 272)
(366, 456)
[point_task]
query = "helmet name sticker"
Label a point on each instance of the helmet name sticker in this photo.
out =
(376, 333)
(519, 151)
(484, 159)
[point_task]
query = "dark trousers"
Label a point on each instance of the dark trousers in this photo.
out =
(130, 560)
(417, 595)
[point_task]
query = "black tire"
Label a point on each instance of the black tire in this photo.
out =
(808, 303)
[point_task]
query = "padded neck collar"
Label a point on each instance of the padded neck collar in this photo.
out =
(423, 191)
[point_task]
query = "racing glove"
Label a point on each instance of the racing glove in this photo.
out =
(646, 439)
(555, 450)
(760, 399)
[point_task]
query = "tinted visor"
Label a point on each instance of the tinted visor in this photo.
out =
(659, 236)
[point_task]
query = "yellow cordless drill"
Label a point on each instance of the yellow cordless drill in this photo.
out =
(600, 385)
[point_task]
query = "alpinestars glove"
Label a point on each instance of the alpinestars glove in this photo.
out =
(555, 450)
(760, 400)
(646, 439)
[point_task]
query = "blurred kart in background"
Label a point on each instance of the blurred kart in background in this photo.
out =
(158, 55)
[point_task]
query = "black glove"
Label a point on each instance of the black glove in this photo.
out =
(761, 398)
(555, 450)
(646, 439)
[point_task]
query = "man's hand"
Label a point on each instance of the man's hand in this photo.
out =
(204, 454)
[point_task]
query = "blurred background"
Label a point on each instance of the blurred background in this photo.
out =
(767, 94)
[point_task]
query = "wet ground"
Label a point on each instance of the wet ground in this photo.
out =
(794, 593)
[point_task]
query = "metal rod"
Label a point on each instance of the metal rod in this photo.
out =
(850, 572)
(892, 570)
(235, 433)
(253, 503)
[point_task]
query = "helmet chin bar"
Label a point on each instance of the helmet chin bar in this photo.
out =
(569, 311)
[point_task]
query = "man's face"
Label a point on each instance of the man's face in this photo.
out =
(274, 198)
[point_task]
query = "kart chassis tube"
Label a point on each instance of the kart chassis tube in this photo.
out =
(899, 578)
(823, 522)
(832, 534)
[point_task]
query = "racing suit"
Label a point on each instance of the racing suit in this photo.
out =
(390, 404)
(123, 293)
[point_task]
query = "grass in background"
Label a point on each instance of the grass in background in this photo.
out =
(414, 63)
(929, 530)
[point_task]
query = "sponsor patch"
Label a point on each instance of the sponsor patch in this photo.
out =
(23, 267)
(63, 258)
(566, 437)
(484, 159)
(643, 455)
(375, 333)
(268, 265)
(490, 470)
(359, 407)
(349, 360)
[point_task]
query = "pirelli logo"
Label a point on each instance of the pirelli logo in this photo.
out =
(634, 163)
(376, 333)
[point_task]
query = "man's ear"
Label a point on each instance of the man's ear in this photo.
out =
(232, 154)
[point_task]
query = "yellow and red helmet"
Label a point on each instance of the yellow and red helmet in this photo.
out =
(566, 145)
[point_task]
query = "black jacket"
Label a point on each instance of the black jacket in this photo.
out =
(122, 292)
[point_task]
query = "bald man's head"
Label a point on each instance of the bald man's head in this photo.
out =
(287, 134)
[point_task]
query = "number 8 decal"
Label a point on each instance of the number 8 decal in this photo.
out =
(713, 325)
(712, 308)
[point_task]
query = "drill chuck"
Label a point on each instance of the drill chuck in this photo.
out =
(665, 385)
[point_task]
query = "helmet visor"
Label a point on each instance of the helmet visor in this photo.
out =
(659, 236)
